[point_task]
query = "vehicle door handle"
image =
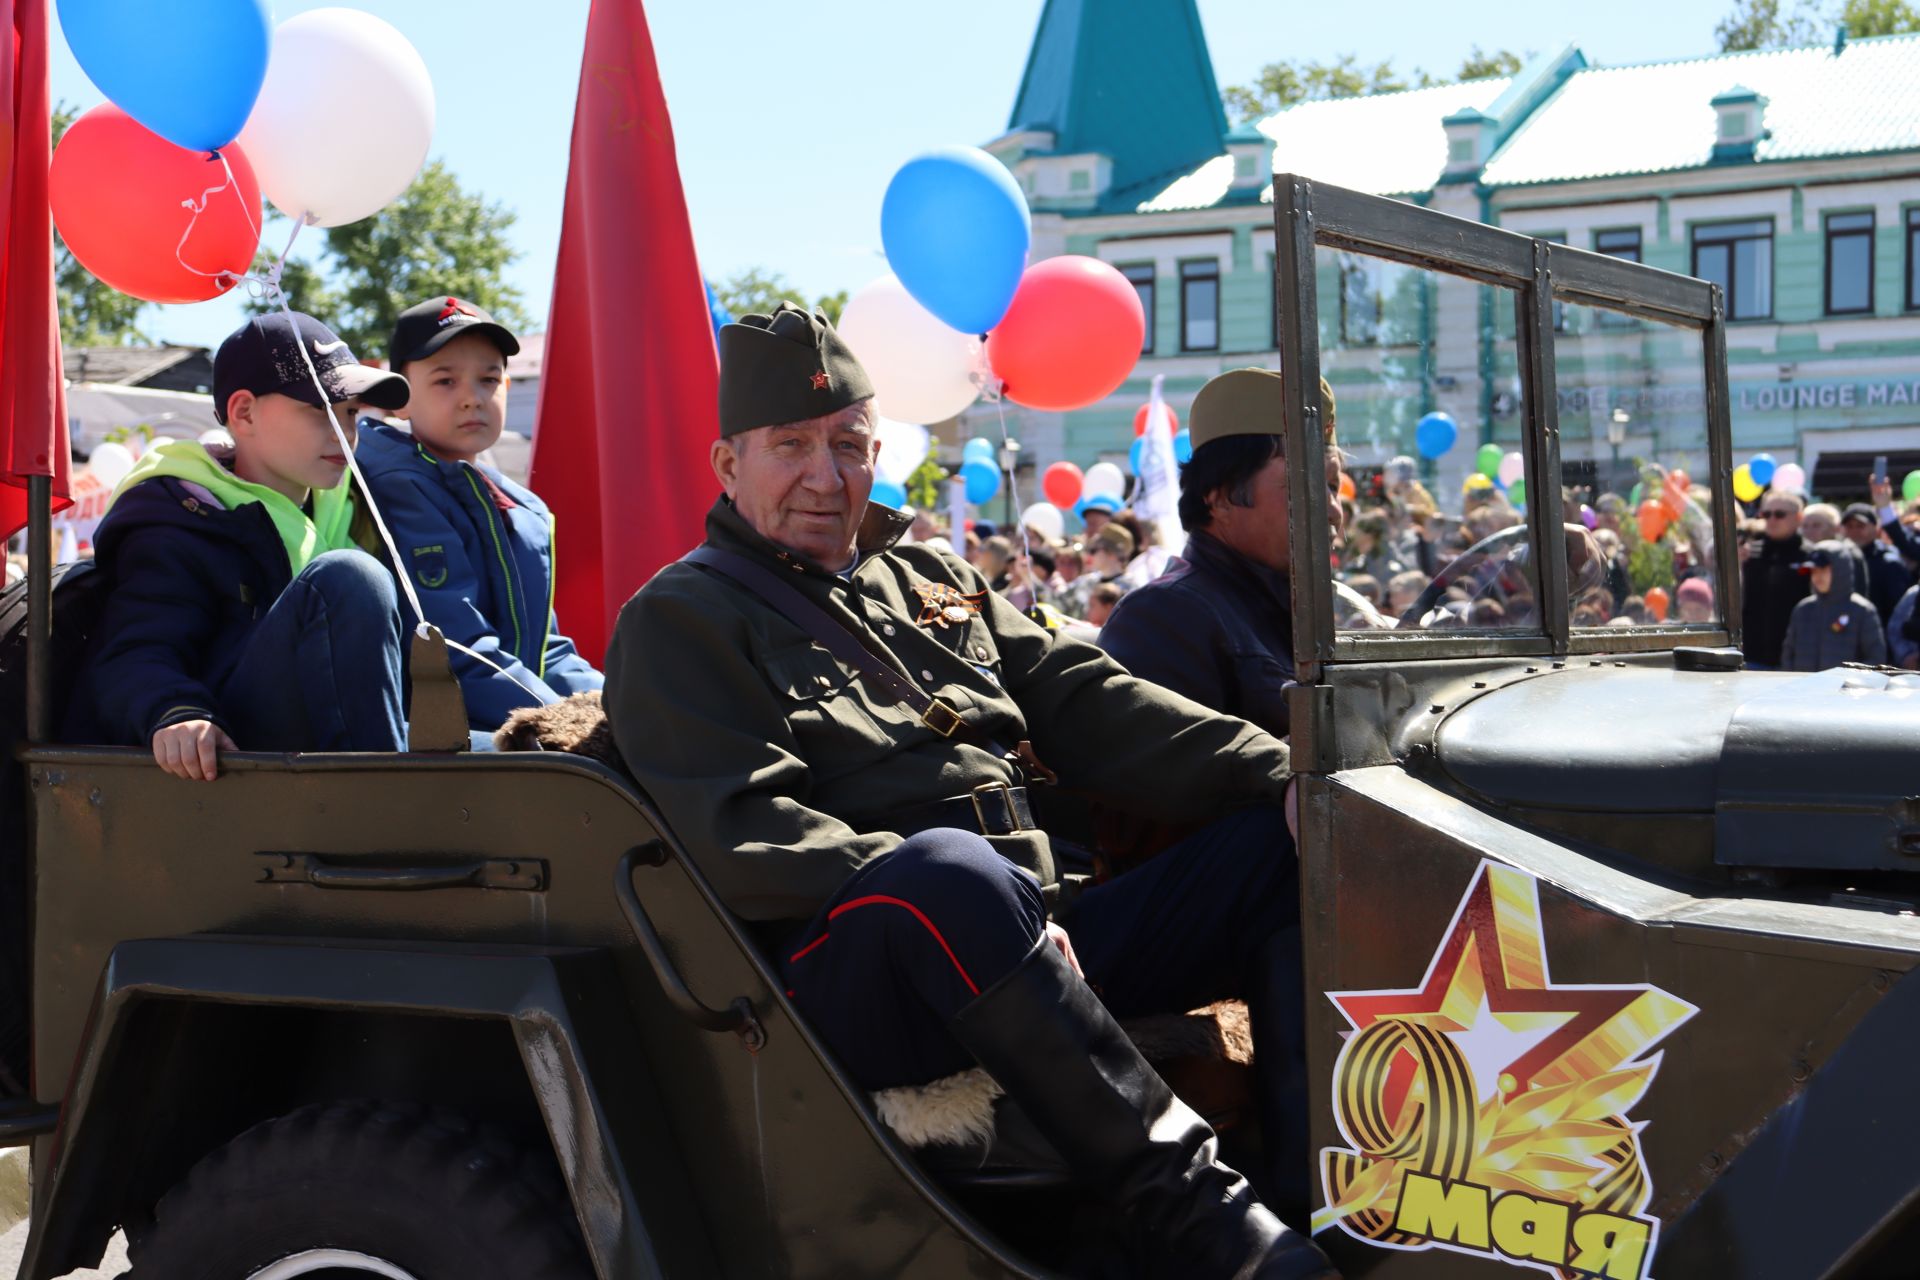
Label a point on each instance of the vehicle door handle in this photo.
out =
(528, 874)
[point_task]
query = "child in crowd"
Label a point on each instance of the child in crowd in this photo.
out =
(242, 613)
(478, 546)
(1834, 624)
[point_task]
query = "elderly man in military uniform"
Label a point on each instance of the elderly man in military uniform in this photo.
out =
(835, 725)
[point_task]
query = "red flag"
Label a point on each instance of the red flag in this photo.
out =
(629, 381)
(33, 401)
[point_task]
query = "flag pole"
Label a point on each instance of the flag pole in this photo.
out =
(39, 609)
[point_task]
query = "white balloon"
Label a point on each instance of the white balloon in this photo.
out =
(110, 463)
(1045, 519)
(1789, 477)
(903, 447)
(344, 119)
(1104, 479)
(921, 370)
(217, 436)
(155, 443)
(1512, 467)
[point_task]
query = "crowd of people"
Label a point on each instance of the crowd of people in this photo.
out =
(1819, 585)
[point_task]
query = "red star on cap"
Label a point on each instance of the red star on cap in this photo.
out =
(820, 381)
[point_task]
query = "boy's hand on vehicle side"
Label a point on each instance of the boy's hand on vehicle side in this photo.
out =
(191, 749)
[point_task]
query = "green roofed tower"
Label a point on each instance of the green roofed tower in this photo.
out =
(1127, 81)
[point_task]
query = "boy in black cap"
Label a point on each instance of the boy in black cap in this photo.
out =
(242, 612)
(479, 546)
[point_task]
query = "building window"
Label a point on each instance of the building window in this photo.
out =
(1849, 263)
(1079, 180)
(1622, 243)
(1733, 125)
(1140, 276)
(1359, 304)
(1200, 306)
(1738, 256)
(1913, 259)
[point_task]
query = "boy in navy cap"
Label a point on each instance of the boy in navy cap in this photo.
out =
(479, 546)
(242, 613)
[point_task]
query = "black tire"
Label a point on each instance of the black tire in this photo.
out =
(422, 1189)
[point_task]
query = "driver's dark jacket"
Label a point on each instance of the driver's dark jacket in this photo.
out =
(1215, 627)
(783, 772)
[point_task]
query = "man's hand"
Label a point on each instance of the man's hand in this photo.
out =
(1058, 937)
(191, 749)
(1882, 491)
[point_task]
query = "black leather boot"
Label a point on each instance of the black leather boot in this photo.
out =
(1043, 1034)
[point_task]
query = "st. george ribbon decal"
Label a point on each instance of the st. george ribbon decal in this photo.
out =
(1487, 1110)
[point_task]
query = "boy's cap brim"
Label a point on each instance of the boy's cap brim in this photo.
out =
(492, 330)
(377, 387)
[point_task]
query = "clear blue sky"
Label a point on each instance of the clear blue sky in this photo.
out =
(790, 117)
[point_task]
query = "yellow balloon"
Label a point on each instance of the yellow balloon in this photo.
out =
(1745, 487)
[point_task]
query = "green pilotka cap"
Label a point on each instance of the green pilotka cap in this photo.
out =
(786, 367)
(1247, 402)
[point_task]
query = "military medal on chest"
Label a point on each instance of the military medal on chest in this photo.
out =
(943, 605)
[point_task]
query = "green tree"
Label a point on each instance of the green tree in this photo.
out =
(1879, 17)
(1480, 65)
(1768, 24)
(437, 238)
(927, 486)
(92, 312)
(757, 291)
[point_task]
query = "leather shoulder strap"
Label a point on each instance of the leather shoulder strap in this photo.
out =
(831, 634)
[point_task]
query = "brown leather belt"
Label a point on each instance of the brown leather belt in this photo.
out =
(992, 809)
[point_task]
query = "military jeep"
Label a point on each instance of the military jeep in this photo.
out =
(1608, 940)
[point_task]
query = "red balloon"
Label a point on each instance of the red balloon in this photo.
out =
(1071, 336)
(1062, 484)
(1653, 520)
(1657, 603)
(1140, 420)
(123, 196)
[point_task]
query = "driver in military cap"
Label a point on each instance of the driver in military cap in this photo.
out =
(869, 812)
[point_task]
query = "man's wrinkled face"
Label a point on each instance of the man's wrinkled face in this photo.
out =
(1816, 526)
(803, 485)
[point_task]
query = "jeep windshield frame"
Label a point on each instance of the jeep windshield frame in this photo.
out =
(1310, 216)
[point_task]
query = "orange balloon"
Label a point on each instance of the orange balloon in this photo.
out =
(1657, 603)
(1347, 488)
(118, 192)
(1653, 520)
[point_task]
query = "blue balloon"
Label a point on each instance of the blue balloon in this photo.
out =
(983, 480)
(1435, 434)
(1137, 454)
(1182, 447)
(189, 70)
(888, 494)
(978, 447)
(1761, 467)
(956, 230)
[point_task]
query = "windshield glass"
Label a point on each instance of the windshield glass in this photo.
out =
(1632, 400)
(1424, 369)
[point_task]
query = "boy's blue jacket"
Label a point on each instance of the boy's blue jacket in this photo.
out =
(484, 576)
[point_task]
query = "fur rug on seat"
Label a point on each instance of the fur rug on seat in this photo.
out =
(1203, 1054)
(575, 724)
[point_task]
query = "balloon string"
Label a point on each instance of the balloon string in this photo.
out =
(1013, 484)
(279, 295)
(198, 207)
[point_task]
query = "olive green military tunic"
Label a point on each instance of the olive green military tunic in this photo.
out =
(780, 769)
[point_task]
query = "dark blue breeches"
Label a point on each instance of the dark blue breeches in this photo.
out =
(916, 934)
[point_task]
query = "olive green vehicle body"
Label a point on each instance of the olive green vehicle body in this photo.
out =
(454, 927)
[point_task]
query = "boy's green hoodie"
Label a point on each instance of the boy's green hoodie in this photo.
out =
(330, 529)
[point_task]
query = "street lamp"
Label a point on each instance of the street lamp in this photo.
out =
(1617, 436)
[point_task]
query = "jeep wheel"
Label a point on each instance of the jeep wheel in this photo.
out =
(363, 1190)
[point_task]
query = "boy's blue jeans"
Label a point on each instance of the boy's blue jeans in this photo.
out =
(323, 671)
